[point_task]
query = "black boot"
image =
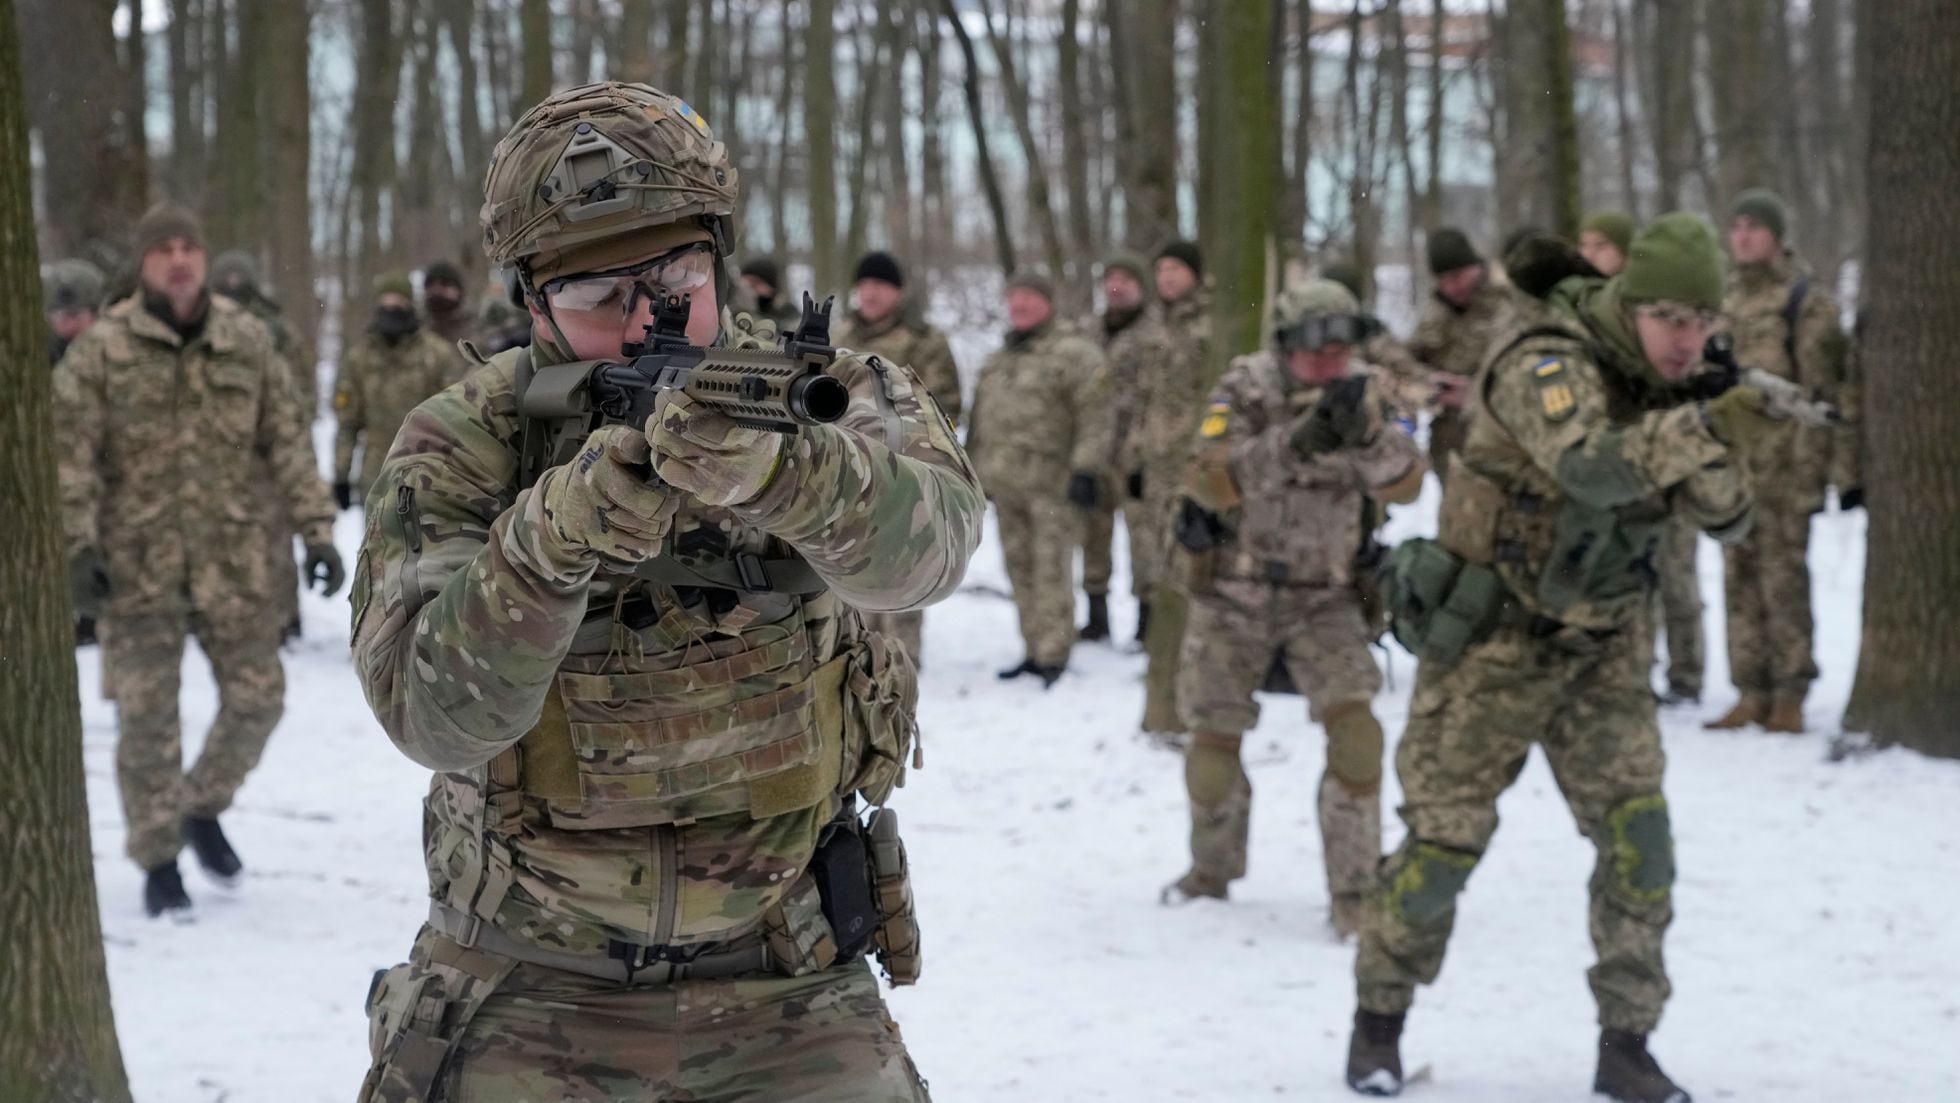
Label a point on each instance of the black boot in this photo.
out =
(1097, 629)
(1375, 1054)
(1025, 666)
(163, 891)
(1048, 674)
(1143, 621)
(1629, 1074)
(84, 631)
(207, 840)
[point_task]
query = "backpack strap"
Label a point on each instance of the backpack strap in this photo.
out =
(1792, 307)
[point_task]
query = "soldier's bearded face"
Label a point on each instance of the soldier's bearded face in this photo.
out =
(1751, 242)
(1672, 336)
(174, 269)
(1121, 291)
(1601, 253)
(1174, 279)
(1321, 366)
(876, 299)
(1459, 284)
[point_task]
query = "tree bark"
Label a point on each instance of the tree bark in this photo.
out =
(1538, 161)
(976, 114)
(871, 62)
(92, 179)
(1738, 72)
(1150, 192)
(535, 16)
(1623, 111)
(59, 1044)
(934, 237)
(1241, 249)
(820, 139)
(183, 37)
(1021, 110)
(1907, 690)
(232, 217)
(1075, 146)
(460, 15)
(636, 40)
(289, 158)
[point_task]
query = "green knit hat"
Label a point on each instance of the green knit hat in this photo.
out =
(1132, 263)
(1764, 206)
(1614, 226)
(394, 283)
(1677, 259)
(1450, 249)
(163, 222)
(1035, 280)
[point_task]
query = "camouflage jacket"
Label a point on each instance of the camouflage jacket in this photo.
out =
(1171, 392)
(1792, 463)
(1572, 463)
(1133, 347)
(623, 759)
(299, 362)
(1456, 339)
(375, 388)
(167, 450)
(1405, 377)
(1042, 410)
(456, 326)
(918, 346)
(1292, 520)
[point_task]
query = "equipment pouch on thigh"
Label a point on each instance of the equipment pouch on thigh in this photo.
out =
(842, 869)
(417, 1011)
(897, 939)
(881, 718)
(1438, 603)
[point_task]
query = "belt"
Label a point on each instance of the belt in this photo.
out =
(625, 962)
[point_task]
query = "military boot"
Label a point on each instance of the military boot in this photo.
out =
(1750, 710)
(213, 852)
(1097, 630)
(1008, 674)
(163, 891)
(1049, 673)
(1785, 715)
(1375, 1054)
(1221, 817)
(1629, 1074)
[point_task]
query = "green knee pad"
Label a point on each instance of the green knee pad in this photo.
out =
(1421, 886)
(1212, 773)
(1354, 747)
(1642, 843)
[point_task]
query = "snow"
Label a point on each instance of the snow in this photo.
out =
(1814, 955)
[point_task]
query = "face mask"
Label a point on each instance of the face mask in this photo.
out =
(440, 302)
(394, 322)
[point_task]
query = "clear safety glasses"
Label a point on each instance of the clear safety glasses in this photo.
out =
(618, 293)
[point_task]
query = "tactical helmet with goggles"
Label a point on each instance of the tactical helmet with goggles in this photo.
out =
(1312, 315)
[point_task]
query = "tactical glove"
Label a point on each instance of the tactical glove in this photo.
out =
(1739, 417)
(1134, 485)
(1851, 499)
(605, 503)
(88, 582)
(1084, 490)
(343, 494)
(1198, 529)
(324, 567)
(704, 452)
(1339, 420)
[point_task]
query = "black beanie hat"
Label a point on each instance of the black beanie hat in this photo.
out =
(1187, 252)
(443, 271)
(880, 266)
(1450, 249)
(765, 269)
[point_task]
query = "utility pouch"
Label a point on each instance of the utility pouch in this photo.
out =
(1580, 541)
(881, 734)
(1439, 604)
(842, 869)
(897, 939)
(418, 1010)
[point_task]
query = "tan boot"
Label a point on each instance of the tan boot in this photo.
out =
(1750, 710)
(1785, 716)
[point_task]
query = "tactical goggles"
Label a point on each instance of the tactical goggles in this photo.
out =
(1317, 331)
(618, 292)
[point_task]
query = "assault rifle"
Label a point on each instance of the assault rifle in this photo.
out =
(1785, 400)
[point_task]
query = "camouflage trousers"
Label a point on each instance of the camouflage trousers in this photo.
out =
(1232, 638)
(1766, 583)
(1584, 698)
(146, 652)
(1098, 540)
(1098, 549)
(1038, 536)
(1680, 595)
(493, 1031)
(907, 628)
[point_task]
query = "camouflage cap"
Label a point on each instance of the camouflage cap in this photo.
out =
(599, 162)
(394, 283)
(234, 270)
(73, 284)
(1675, 259)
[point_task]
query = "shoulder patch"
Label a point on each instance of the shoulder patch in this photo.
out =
(1217, 416)
(1555, 397)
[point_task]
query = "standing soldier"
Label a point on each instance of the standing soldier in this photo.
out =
(1604, 241)
(1412, 386)
(396, 364)
(634, 659)
(71, 294)
(1170, 397)
(1453, 333)
(1134, 344)
(445, 308)
(1582, 440)
(882, 323)
(172, 411)
(1275, 509)
(763, 277)
(1783, 320)
(1040, 439)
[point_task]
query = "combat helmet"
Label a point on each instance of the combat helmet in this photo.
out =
(1317, 313)
(73, 284)
(603, 168)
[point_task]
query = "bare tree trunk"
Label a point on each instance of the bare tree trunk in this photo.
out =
(420, 234)
(460, 15)
(636, 40)
(579, 59)
(820, 138)
(1241, 250)
(1299, 200)
(1824, 77)
(1432, 193)
(897, 192)
(233, 216)
(1150, 192)
(92, 179)
(289, 155)
(186, 125)
(785, 115)
(1738, 46)
(1022, 112)
(136, 105)
(1907, 691)
(497, 65)
(1623, 111)
(872, 49)
(1539, 159)
(1075, 146)
(376, 89)
(535, 16)
(60, 1038)
(934, 237)
(1797, 166)
(673, 74)
(976, 114)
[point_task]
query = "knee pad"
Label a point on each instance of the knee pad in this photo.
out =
(1421, 884)
(1642, 849)
(1354, 746)
(1212, 770)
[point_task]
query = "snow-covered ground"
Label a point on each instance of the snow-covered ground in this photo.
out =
(1815, 955)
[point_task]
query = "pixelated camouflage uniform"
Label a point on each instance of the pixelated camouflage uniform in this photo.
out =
(925, 350)
(1681, 608)
(1281, 587)
(1406, 379)
(1042, 410)
(1563, 430)
(168, 449)
(1455, 339)
(1766, 578)
(1134, 344)
(1170, 397)
(377, 384)
(628, 763)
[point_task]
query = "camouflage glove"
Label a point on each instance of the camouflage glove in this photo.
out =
(88, 581)
(707, 454)
(1084, 490)
(323, 566)
(343, 494)
(1739, 417)
(605, 505)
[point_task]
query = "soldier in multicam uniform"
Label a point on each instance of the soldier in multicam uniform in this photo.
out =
(1134, 345)
(882, 323)
(1289, 452)
(1582, 441)
(1170, 397)
(641, 678)
(1040, 437)
(1453, 333)
(1784, 320)
(174, 411)
(395, 366)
